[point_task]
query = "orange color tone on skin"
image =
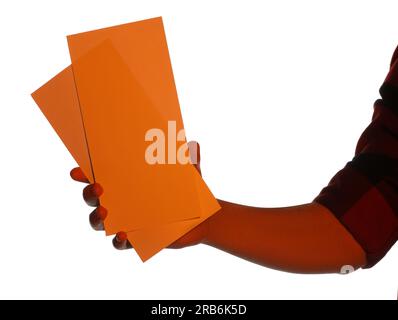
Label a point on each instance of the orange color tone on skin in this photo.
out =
(306, 239)
(300, 239)
(266, 248)
(303, 239)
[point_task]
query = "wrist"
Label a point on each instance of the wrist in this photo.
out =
(209, 227)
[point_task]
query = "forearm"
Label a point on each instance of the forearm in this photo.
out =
(303, 239)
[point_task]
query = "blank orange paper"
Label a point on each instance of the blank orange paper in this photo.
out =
(117, 113)
(143, 47)
(58, 101)
(105, 69)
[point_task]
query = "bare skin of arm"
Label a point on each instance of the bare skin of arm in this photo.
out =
(300, 239)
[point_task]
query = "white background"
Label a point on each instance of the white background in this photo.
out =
(276, 92)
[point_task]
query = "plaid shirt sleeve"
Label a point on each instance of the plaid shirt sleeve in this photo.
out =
(364, 194)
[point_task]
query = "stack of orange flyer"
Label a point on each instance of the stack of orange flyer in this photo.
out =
(116, 110)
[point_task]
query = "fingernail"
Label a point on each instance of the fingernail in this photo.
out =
(97, 189)
(120, 241)
(91, 194)
(78, 175)
(121, 237)
(101, 212)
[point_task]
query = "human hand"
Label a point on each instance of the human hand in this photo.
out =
(92, 194)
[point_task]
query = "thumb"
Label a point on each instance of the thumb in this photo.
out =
(194, 153)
